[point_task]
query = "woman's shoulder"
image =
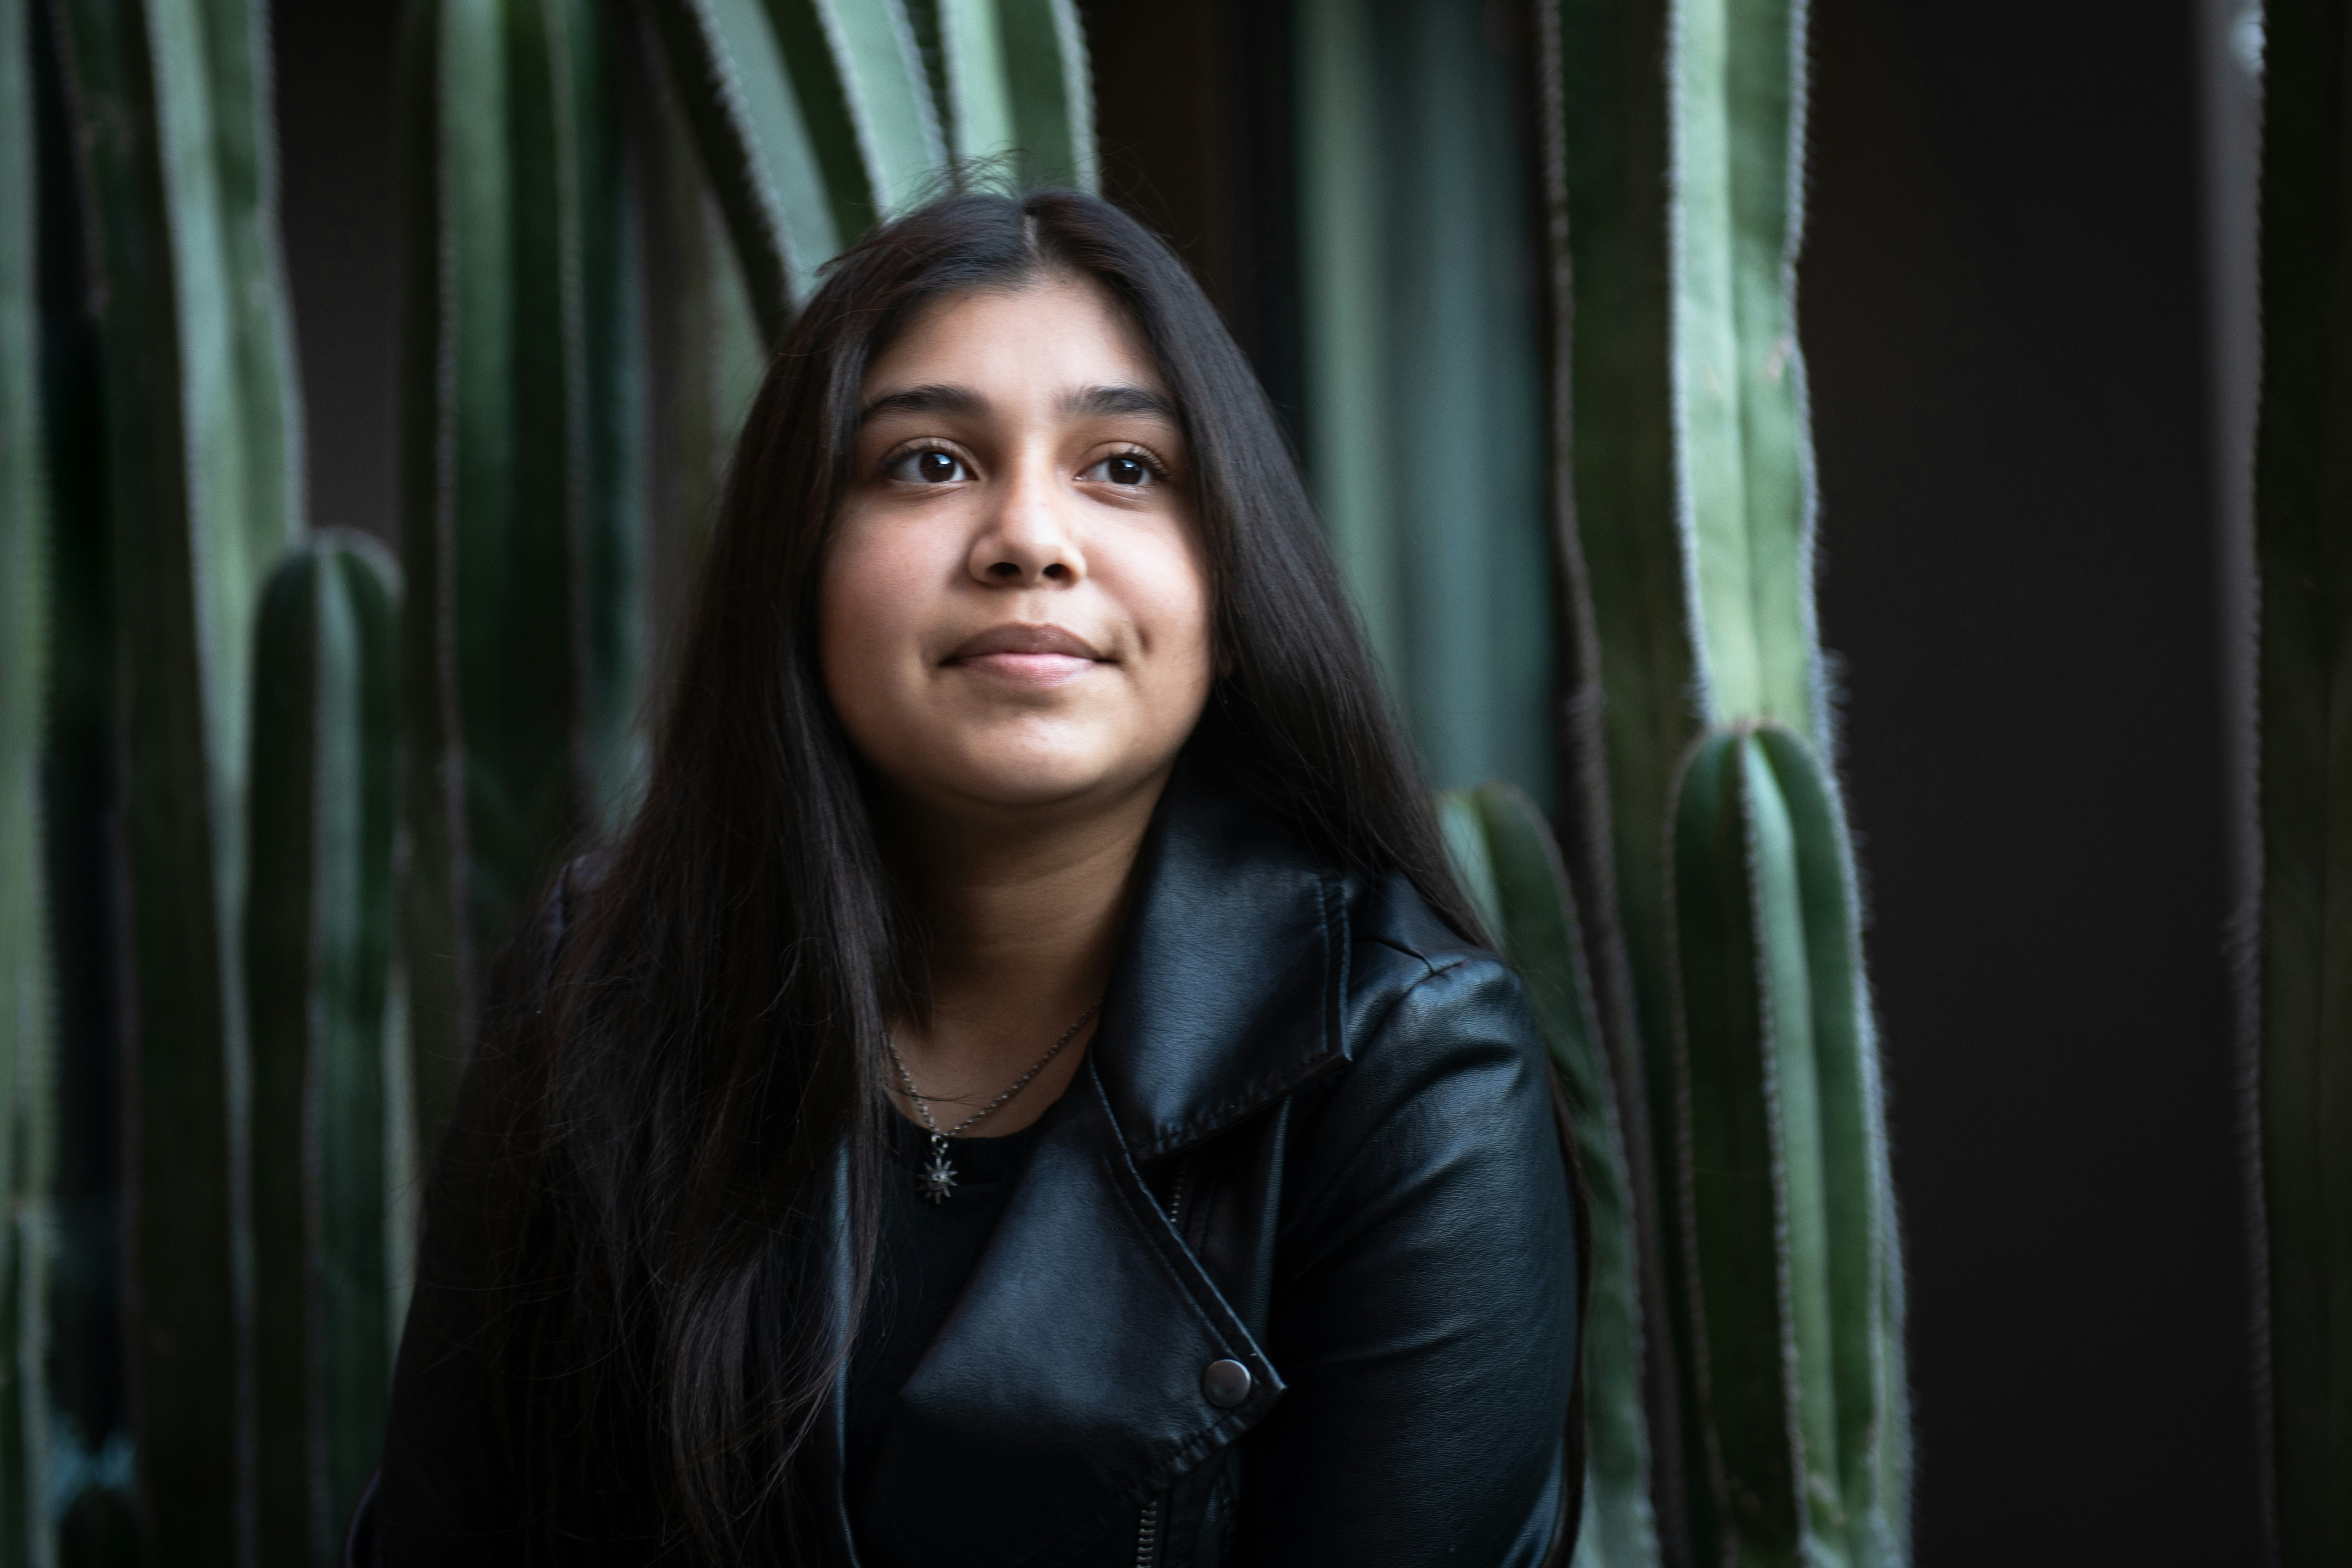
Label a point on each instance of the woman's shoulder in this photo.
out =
(1401, 953)
(1425, 1006)
(1444, 1093)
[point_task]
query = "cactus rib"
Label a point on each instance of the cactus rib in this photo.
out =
(757, 148)
(1048, 84)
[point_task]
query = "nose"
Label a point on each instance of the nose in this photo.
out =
(1026, 539)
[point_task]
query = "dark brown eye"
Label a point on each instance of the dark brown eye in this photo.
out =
(1127, 468)
(930, 467)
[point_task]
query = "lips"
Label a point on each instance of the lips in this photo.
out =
(1028, 656)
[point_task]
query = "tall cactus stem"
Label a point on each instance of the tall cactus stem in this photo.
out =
(1784, 1216)
(1595, 146)
(318, 959)
(171, 104)
(28, 1021)
(522, 485)
(457, 287)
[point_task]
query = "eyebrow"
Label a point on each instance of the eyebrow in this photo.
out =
(1109, 402)
(1092, 402)
(928, 399)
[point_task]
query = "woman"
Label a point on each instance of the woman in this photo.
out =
(1025, 1087)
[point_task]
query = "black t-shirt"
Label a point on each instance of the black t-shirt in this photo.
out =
(922, 1258)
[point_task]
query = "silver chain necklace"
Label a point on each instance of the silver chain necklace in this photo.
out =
(939, 1179)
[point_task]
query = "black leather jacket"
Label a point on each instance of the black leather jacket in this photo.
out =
(1313, 1136)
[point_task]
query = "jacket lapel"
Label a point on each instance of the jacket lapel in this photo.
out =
(1232, 972)
(1066, 1387)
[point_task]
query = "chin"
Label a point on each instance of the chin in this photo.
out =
(1034, 775)
(1015, 786)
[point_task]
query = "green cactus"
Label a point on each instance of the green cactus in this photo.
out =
(866, 100)
(27, 1002)
(1505, 851)
(522, 434)
(317, 941)
(455, 454)
(730, 80)
(1050, 89)
(963, 50)
(2302, 975)
(1626, 665)
(1010, 80)
(171, 104)
(815, 118)
(1779, 1151)
(1687, 516)
(705, 353)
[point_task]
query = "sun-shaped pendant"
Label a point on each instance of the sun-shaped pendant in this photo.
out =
(940, 1179)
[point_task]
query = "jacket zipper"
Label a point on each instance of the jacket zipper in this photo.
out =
(1146, 1535)
(1147, 1539)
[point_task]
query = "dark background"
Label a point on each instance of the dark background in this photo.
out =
(2026, 303)
(2006, 309)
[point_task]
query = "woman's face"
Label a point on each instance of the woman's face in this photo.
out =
(1013, 610)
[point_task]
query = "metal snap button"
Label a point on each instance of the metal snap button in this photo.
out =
(1226, 1384)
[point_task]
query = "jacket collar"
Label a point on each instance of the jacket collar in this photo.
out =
(1232, 974)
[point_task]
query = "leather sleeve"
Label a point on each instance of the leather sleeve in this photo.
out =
(1423, 1307)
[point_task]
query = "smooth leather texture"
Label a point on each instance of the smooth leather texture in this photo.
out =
(1313, 1136)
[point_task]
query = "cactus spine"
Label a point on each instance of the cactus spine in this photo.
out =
(171, 101)
(26, 1006)
(1741, 1012)
(317, 944)
(2302, 974)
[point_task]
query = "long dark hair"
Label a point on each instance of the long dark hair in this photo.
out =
(658, 1100)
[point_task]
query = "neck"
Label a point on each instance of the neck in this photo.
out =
(1020, 916)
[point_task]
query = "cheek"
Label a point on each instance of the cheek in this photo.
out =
(1167, 587)
(868, 604)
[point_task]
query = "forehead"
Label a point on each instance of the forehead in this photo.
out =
(1037, 342)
